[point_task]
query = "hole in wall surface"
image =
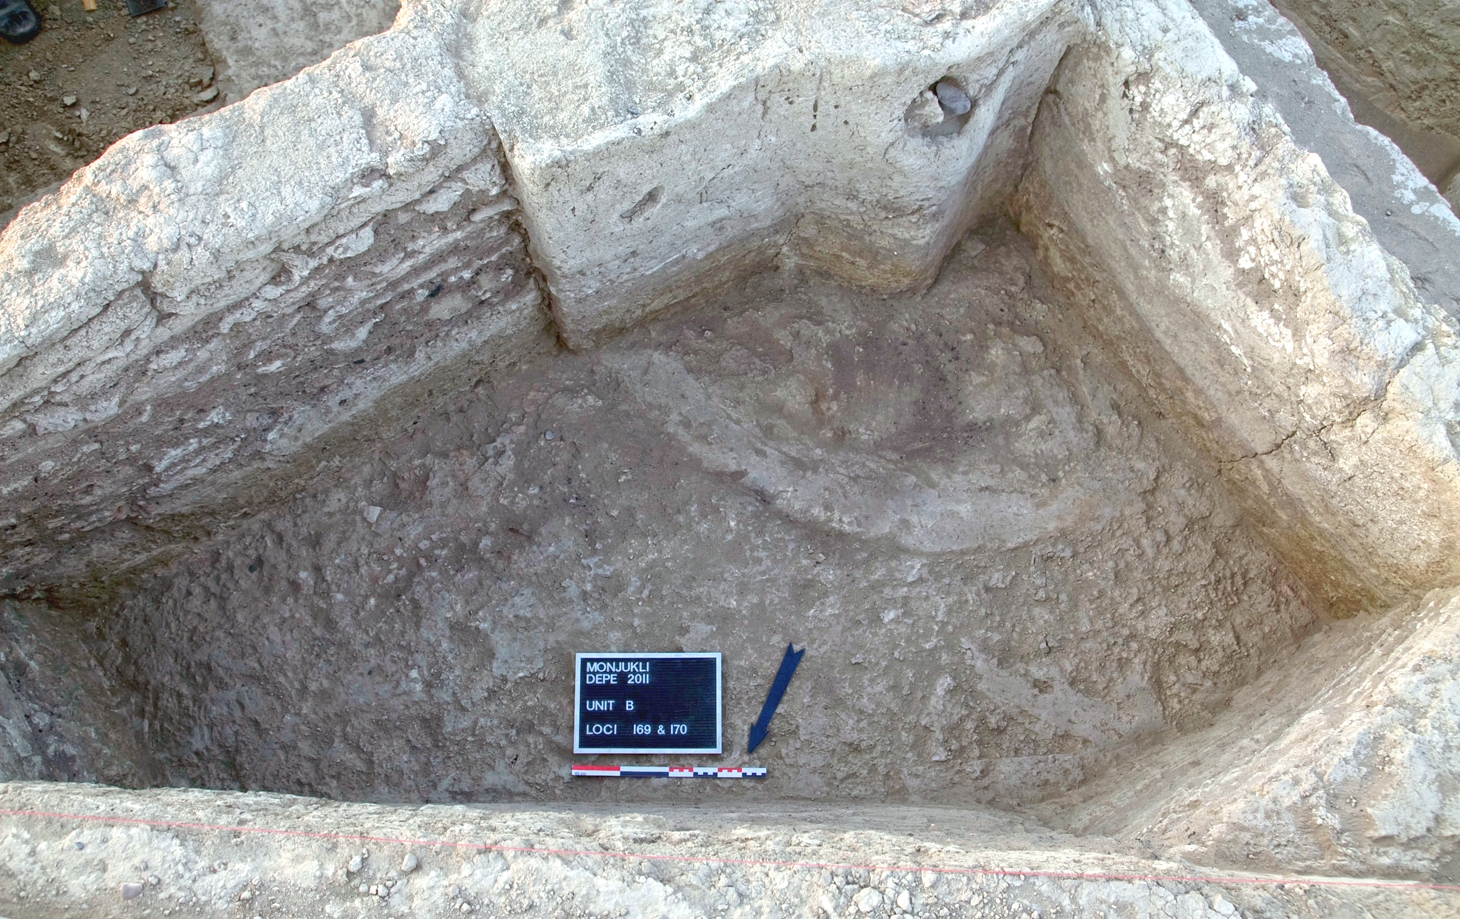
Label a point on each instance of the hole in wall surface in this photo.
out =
(941, 110)
(644, 205)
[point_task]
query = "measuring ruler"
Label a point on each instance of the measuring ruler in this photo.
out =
(670, 772)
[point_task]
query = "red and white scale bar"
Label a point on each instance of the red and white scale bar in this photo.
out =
(670, 772)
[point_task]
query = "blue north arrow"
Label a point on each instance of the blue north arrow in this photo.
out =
(773, 698)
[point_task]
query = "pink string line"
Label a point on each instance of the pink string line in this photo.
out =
(749, 862)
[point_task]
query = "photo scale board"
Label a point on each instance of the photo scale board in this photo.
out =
(647, 703)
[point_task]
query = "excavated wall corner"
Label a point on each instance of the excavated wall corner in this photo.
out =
(743, 141)
(208, 299)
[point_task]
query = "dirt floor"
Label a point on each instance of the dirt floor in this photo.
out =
(1006, 570)
(90, 79)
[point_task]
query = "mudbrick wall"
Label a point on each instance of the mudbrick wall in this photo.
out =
(210, 298)
(1318, 370)
(150, 298)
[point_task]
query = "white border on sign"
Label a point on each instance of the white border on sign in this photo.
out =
(578, 701)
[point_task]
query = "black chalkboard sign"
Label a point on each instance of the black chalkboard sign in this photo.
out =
(647, 703)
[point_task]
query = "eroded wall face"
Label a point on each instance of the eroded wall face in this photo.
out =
(743, 138)
(173, 408)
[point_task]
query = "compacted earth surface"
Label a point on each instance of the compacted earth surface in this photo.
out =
(1005, 569)
(89, 79)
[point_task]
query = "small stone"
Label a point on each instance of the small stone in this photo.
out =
(409, 863)
(374, 890)
(372, 514)
(364, 889)
(245, 896)
(953, 98)
(904, 901)
(35, 76)
(207, 95)
(867, 899)
(154, 880)
(548, 435)
(131, 890)
(454, 890)
(68, 101)
(132, 91)
(356, 864)
(85, 114)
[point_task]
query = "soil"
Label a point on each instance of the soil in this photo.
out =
(119, 73)
(1395, 62)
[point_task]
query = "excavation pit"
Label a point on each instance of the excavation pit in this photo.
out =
(1092, 438)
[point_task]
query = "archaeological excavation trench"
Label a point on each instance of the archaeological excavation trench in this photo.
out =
(1080, 393)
